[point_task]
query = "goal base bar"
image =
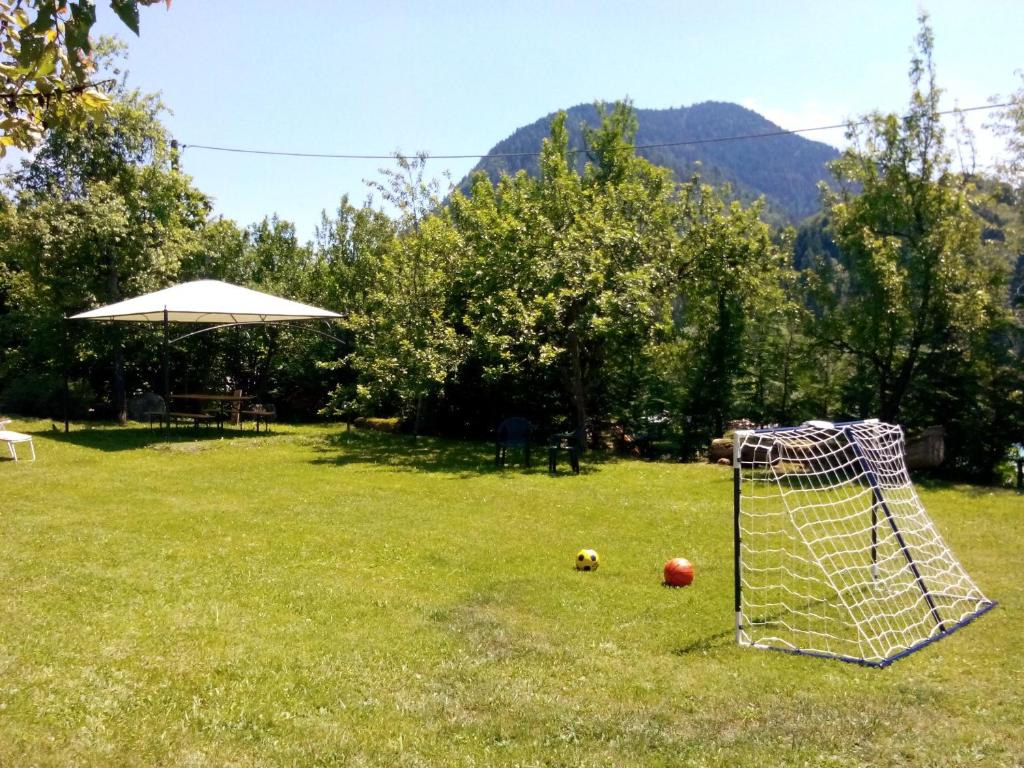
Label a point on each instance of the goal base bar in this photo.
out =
(889, 659)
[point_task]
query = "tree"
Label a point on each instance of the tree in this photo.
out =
(273, 360)
(101, 214)
(46, 63)
(1009, 124)
(911, 276)
(1004, 207)
(405, 351)
(564, 276)
(348, 252)
(731, 314)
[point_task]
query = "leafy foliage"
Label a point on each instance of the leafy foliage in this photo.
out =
(46, 62)
(731, 305)
(1010, 125)
(564, 275)
(100, 215)
(914, 291)
(404, 348)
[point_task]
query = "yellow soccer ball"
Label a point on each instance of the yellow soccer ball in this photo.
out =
(587, 560)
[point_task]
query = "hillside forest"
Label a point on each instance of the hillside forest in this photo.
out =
(596, 288)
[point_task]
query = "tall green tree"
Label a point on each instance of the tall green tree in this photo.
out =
(911, 275)
(405, 349)
(731, 315)
(1009, 124)
(1005, 205)
(101, 214)
(349, 249)
(280, 361)
(565, 274)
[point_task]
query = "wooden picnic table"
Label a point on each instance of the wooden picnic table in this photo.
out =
(214, 398)
(195, 415)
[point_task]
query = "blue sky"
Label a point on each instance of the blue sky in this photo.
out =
(457, 77)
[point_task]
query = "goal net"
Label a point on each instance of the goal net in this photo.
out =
(835, 555)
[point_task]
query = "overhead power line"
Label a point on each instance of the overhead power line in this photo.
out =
(683, 143)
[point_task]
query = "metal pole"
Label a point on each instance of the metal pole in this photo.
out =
(879, 499)
(67, 385)
(738, 438)
(737, 594)
(167, 375)
(874, 542)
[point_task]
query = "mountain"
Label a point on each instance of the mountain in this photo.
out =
(785, 169)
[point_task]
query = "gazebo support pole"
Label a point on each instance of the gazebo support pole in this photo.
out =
(65, 354)
(167, 375)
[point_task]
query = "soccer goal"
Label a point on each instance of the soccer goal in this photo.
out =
(834, 554)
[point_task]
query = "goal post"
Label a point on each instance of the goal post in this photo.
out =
(834, 553)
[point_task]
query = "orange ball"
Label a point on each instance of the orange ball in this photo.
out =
(678, 572)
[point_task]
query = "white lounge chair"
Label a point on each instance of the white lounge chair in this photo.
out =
(12, 438)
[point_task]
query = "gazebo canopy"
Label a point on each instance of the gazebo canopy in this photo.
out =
(207, 301)
(210, 302)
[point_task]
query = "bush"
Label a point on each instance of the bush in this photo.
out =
(391, 425)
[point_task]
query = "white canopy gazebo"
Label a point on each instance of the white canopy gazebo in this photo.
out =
(211, 302)
(207, 301)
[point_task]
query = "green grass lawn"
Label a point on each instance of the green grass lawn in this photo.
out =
(317, 597)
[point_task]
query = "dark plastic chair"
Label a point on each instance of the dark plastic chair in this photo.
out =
(571, 443)
(513, 432)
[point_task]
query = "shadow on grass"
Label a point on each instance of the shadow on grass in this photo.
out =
(431, 454)
(113, 438)
(715, 642)
(928, 483)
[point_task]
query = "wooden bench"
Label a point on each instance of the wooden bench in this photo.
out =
(182, 417)
(195, 418)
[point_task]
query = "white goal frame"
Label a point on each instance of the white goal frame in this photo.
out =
(835, 556)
